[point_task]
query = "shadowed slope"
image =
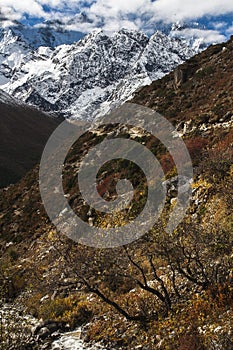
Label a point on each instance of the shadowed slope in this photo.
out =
(23, 135)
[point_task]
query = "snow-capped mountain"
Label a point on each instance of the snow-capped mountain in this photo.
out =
(90, 76)
(18, 41)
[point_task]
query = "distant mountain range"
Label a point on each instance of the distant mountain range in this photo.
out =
(56, 71)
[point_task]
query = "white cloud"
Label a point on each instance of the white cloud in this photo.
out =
(219, 25)
(114, 8)
(179, 10)
(207, 36)
(168, 10)
(230, 30)
(16, 9)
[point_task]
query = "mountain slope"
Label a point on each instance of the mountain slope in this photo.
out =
(87, 78)
(53, 277)
(200, 90)
(23, 134)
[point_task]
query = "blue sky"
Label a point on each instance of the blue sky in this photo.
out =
(216, 16)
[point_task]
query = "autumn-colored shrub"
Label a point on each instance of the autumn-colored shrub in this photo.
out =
(71, 310)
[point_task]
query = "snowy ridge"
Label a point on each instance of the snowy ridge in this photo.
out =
(91, 76)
